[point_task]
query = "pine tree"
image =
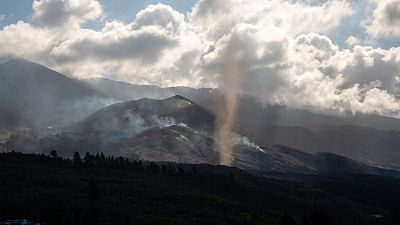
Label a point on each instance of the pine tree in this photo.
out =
(77, 158)
(87, 157)
(53, 154)
(193, 170)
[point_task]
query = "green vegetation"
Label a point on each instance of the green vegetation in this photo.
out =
(98, 189)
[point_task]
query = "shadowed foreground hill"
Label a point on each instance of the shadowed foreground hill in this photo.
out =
(104, 190)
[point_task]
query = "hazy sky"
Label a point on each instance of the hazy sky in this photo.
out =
(340, 55)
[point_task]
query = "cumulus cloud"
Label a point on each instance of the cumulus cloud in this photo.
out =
(286, 53)
(362, 79)
(143, 45)
(279, 17)
(160, 16)
(385, 20)
(25, 41)
(55, 13)
(155, 29)
(351, 41)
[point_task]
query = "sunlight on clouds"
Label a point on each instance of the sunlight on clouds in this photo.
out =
(385, 20)
(288, 55)
(55, 13)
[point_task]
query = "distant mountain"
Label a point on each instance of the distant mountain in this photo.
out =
(250, 110)
(33, 96)
(369, 145)
(178, 130)
(368, 138)
(125, 91)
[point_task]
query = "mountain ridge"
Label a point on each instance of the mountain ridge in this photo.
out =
(33, 96)
(178, 130)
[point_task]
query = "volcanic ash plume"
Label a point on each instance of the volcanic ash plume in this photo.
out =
(231, 83)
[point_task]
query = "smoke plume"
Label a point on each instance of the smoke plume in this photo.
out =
(231, 83)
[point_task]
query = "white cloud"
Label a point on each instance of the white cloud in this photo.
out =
(385, 20)
(280, 17)
(56, 13)
(25, 41)
(283, 47)
(155, 29)
(358, 80)
(160, 16)
(351, 41)
(2, 17)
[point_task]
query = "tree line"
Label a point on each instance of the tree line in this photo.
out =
(99, 160)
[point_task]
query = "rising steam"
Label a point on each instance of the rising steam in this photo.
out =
(231, 83)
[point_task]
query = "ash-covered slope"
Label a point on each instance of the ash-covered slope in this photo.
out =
(178, 130)
(176, 143)
(138, 115)
(111, 128)
(33, 96)
(368, 138)
(373, 146)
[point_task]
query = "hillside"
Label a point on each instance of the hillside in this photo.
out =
(110, 191)
(372, 139)
(125, 91)
(33, 96)
(146, 113)
(369, 145)
(178, 130)
(250, 110)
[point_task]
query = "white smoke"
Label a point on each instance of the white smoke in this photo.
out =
(134, 124)
(239, 140)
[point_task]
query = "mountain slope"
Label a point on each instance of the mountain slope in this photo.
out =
(148, 113)
(178, 130)
(371, 139)
(125, 91)
(250, 110)
(373, 146)
(34, 96)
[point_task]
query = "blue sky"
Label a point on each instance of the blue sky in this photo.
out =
(15, 10)
(124, 10)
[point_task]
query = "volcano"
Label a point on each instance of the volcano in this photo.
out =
(179, 130)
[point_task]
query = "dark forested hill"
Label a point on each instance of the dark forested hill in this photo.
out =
(106, 190)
